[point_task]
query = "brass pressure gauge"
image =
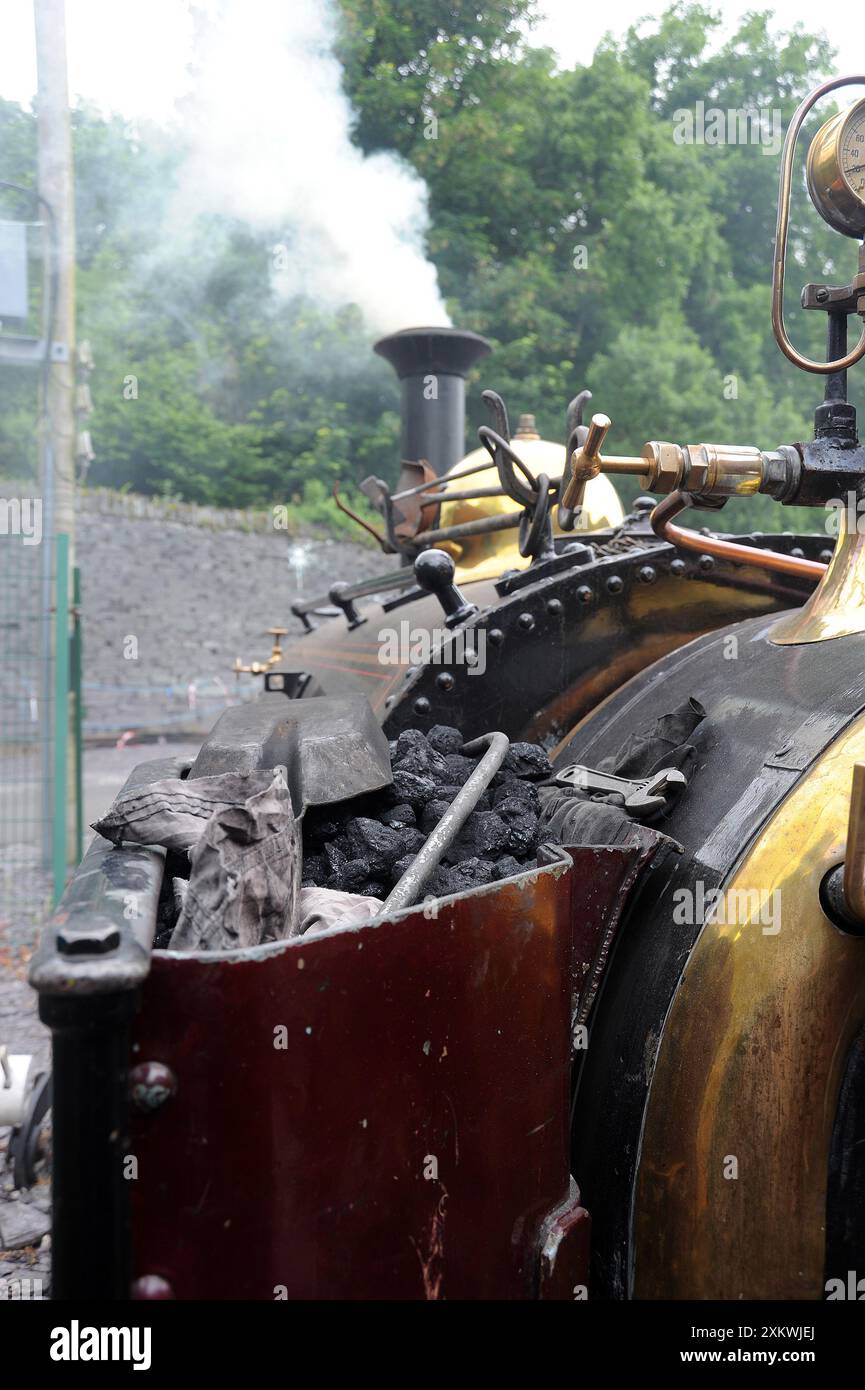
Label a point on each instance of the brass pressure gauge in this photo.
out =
(836, 171)
(835, 183)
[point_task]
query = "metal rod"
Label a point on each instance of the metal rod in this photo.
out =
(469, 528)
(77, 665)
(404, 578)
(466, 495)
(396, 579)
(61, 713)
(426, 861)
(440, 482)
(836, 338)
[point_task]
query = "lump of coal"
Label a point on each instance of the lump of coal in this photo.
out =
(456, 878)
(408, 786)
(353, 876)
(399, 815)
(320, 828)
(506, 867)
(445, 739)
(335, 860)
(515, 789)
(432, 814)
(483, 836)
(412, 840)
(447, 793)
(525, 760)
(409, 738)
(313, 871)
(373, 888)
(473, 872)
(521, 822)
(379, 845)
(424, 761)
(459, 767)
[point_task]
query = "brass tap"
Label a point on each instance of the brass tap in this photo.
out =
(259, 668)
(703, 470)
(586, 462)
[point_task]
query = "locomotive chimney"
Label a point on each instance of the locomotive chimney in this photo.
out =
(432, 365)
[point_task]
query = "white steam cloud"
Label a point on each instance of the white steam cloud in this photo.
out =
(267, 129)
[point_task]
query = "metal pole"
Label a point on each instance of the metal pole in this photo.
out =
(77, 661)
(61, 714)
(58, 424)
(56, 188)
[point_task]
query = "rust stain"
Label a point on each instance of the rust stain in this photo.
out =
(431, 1265)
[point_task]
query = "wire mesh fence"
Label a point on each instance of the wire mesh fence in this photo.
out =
(27, 727)
(39, 811)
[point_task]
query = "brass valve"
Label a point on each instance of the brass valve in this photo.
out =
(708, 470)
(259, 668)
(703, 470)
(586, 462)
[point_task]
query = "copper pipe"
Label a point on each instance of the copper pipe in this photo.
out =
(376, 535)
(662, 525)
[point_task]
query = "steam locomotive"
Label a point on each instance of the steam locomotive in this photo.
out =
(631, 1066)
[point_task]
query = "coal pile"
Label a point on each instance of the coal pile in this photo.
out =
(366, 845)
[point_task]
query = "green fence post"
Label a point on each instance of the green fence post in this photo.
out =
(61, 711)
(77, 661)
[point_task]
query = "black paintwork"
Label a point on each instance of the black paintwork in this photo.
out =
(845, 1199)
(554, 647)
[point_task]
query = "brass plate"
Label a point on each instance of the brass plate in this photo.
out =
(749, 1068)
(837, 606)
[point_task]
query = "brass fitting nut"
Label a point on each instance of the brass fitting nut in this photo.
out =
(666, 465)
(700, 472)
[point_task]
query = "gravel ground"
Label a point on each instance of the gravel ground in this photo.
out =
(166, 609)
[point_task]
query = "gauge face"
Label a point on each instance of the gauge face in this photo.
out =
(851, 151)
(836, 171)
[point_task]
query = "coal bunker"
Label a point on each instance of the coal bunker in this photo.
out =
(365, 845)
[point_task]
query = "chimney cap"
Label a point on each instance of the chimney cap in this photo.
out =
(448, 351)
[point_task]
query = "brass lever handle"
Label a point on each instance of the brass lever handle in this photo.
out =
(586, 462)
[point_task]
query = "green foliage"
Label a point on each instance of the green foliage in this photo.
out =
(566, 223)
(406, 59)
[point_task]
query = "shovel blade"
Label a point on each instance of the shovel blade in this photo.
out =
(332, 746)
